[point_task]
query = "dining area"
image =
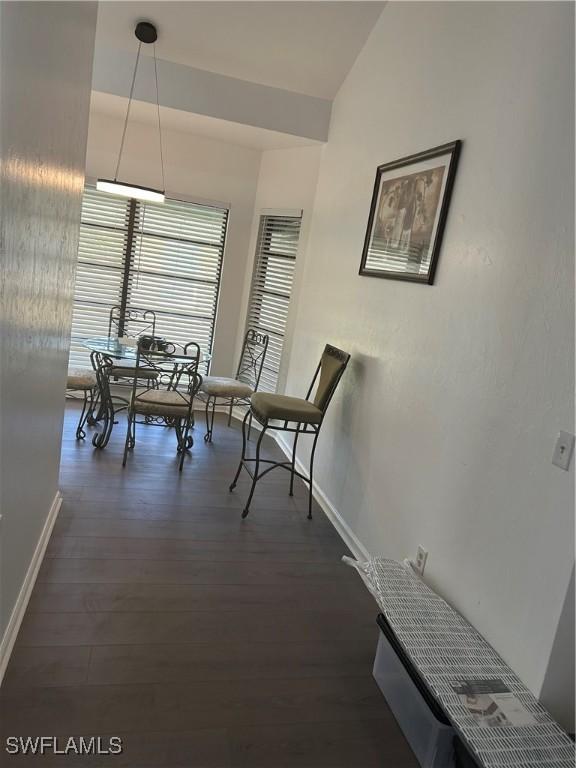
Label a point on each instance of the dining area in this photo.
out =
(154, 382)
(136, 371)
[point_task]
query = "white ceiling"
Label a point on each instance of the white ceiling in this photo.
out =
(199, 125)
(307, 47)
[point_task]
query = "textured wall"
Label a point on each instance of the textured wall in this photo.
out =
(443, 429)
(46, 64)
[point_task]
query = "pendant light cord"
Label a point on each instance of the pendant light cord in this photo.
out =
(159, 124)
(128, 110)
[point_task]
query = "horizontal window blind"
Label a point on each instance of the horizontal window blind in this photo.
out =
(100, 268)
(176, 272)
(167, 258)
(271, 289)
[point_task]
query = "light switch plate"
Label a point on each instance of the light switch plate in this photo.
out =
(563, 450)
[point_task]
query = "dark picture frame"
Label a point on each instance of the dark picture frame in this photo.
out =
(408, 214)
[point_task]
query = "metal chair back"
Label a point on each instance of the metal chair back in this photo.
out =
(135, 322)
(176, 369)
(328, 373)
(191, 350)
(252, 358)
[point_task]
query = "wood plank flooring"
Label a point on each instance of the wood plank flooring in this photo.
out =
(202, 640)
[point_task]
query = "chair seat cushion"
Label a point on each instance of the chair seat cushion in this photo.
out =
(269, 406)
(81, 378)
(128, 372)
(224, 387)
(160, 402)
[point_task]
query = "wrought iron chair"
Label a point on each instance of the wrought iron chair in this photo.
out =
(177, 372)
(83, 380)
(135, 322)
(219, 390)
(279, 411)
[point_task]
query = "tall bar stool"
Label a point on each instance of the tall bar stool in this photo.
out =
(306, 415)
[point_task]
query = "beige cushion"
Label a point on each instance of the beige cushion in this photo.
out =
(81, 378)
(160, 402)
(267, 406)
(127, 372)
(224, 387)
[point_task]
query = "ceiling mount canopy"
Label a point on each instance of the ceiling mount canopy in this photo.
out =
(145, 33)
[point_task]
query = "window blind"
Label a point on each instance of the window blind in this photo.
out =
(271, 289)
(166, 257)
(176, 272)
(100, 268)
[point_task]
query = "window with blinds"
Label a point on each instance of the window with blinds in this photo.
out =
(100, 269)
(272, 282)
(165, 257)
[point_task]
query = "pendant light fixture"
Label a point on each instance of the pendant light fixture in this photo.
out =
(145, 33)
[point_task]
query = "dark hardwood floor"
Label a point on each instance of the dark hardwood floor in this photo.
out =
(202, 640)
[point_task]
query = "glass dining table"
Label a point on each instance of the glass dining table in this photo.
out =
(126, 348)
(118, 353)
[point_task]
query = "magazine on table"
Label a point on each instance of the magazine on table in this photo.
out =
(492, 704)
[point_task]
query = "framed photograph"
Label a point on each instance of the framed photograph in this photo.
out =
(408, 213)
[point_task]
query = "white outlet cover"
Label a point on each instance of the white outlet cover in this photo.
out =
(421, 557)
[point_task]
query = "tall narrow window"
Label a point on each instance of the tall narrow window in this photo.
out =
(272, 282)
(165, 257)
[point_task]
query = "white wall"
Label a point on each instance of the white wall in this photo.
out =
(198, 168)
(46, 63)
(286, 182)
(443, 428)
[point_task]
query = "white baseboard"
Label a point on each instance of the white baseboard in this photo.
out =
(7, 643)
(346, 533)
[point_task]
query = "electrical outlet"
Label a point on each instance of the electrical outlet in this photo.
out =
(563, 450)
(420, 562)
